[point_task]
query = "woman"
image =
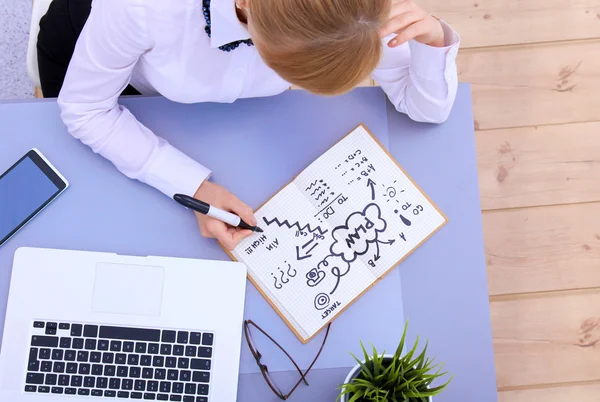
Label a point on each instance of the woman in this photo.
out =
(220, 51)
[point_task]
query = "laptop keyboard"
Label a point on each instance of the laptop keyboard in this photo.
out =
(119, 362)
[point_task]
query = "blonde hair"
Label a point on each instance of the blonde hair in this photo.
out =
(324, 46)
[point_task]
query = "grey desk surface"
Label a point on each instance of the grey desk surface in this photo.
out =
(444, 288)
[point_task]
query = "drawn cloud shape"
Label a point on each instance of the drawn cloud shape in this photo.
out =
(361, 228)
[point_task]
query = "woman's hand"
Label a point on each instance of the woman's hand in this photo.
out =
(409, 21)
(216, 195)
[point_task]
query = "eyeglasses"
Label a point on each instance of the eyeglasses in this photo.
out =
(265, 370)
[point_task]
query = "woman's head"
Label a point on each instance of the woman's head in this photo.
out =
(324, 46)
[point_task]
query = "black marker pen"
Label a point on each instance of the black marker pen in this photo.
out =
(214, 212)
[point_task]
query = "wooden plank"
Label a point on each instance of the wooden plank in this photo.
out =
(508, 22)
(543, 249)
(533, 85)
(566, 393)
(542, 165)
(549, 339)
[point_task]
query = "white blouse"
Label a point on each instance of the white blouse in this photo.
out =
(160, 46)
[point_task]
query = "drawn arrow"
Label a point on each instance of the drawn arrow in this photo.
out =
(371, 183)
(389, 242)
(305, 254)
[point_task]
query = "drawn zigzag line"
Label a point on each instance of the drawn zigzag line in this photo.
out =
(311, 185)
(296, 224)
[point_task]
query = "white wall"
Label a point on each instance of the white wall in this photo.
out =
(14, 31)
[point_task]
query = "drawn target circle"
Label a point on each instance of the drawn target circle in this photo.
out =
(321, 301)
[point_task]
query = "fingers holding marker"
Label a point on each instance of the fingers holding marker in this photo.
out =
(231, 237)
(244, 211)
(225, 238)
(227, 235)
(240, 235)
(218, 223)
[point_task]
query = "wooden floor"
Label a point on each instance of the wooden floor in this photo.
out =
(534, 66)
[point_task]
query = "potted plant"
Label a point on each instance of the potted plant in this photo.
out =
(393, 378)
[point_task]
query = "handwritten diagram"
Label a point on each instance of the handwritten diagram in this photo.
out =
(360, 229)
(321, 301)
(342, 224)
(295, 224)
(283, 276)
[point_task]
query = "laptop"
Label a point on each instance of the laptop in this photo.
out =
(87, 326)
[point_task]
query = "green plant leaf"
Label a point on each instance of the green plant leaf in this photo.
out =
(367, 358)
(357, 396)
(389, 370)
(389, 380)
(402, 340)
(422, 394)
(418, 373)
(366, 384)
(405, 378)
(348, 390)
(363, 366)
(401, 370)
(437, 374)
(420, 360)
(440, 388)
(403, 385)
(376, 363)
(411, 353)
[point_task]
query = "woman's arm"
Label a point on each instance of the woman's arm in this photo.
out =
(420, 79)
(114, 37)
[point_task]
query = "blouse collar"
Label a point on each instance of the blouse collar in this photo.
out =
(225, 25)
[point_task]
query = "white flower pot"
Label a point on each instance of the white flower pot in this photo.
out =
(354, 373)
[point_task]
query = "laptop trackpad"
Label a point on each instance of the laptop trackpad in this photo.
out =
(128, 289)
